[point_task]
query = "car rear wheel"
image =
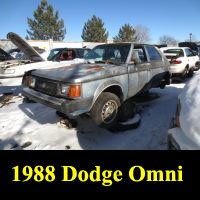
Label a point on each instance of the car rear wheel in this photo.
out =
(197, 66)
(184, 73)
(105, 110)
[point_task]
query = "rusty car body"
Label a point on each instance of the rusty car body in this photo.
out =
(113, 74)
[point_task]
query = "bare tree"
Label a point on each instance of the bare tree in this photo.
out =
(142, 34)
(168, 40)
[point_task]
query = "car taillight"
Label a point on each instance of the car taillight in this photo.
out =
(176, 62)
(74, 90)
(178, 110)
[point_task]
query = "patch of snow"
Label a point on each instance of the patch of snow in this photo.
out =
(35, 126)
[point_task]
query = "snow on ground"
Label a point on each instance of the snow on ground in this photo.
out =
(35, 126)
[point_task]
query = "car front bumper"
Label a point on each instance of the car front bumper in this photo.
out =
(71, 108)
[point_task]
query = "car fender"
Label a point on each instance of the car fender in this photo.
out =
(105, 86)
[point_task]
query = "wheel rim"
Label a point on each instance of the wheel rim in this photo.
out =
(109, 112)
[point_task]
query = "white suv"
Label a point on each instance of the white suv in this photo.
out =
(183, 60)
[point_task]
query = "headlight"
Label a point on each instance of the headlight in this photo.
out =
(64, 89)
(71, 91)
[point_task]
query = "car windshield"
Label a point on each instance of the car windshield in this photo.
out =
(179, 52)
(114, 54)
(53, 54)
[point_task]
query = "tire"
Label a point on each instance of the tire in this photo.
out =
(184, 73)
(190, 73)
(197, 66)
(105, 110)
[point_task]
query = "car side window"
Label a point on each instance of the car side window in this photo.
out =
(188, 53)
(154, 55)
(141, 54)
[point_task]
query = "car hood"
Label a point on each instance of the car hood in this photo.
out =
(190, 104)
(29, 51)
(80, 72)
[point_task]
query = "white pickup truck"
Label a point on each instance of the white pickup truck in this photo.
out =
(182, 59)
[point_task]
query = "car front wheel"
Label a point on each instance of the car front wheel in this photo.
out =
(105, 110)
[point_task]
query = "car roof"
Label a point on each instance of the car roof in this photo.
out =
(122, 43)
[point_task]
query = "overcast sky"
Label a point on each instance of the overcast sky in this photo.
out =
(176, 18)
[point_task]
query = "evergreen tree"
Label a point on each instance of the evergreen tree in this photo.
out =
(94, 31)
(126, 34)
(46, 25)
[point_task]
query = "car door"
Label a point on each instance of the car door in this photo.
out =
(157, 65)
(139, 70)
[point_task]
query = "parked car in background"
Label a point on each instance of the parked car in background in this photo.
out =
(113, 74)
(33, 60)
(182, 59)
(60, 54)
(184, 132)
(191, 45)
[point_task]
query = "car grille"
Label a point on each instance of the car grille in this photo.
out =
(46, 86)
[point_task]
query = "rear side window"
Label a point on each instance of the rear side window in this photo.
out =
(153, 54)
(141, 54)
(189, 53)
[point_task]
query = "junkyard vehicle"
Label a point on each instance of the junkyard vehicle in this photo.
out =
(192, 45)
(61, 54)
(195, 48)
(184, 133)
(58, 58)
(114, 73)
(182, 59)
